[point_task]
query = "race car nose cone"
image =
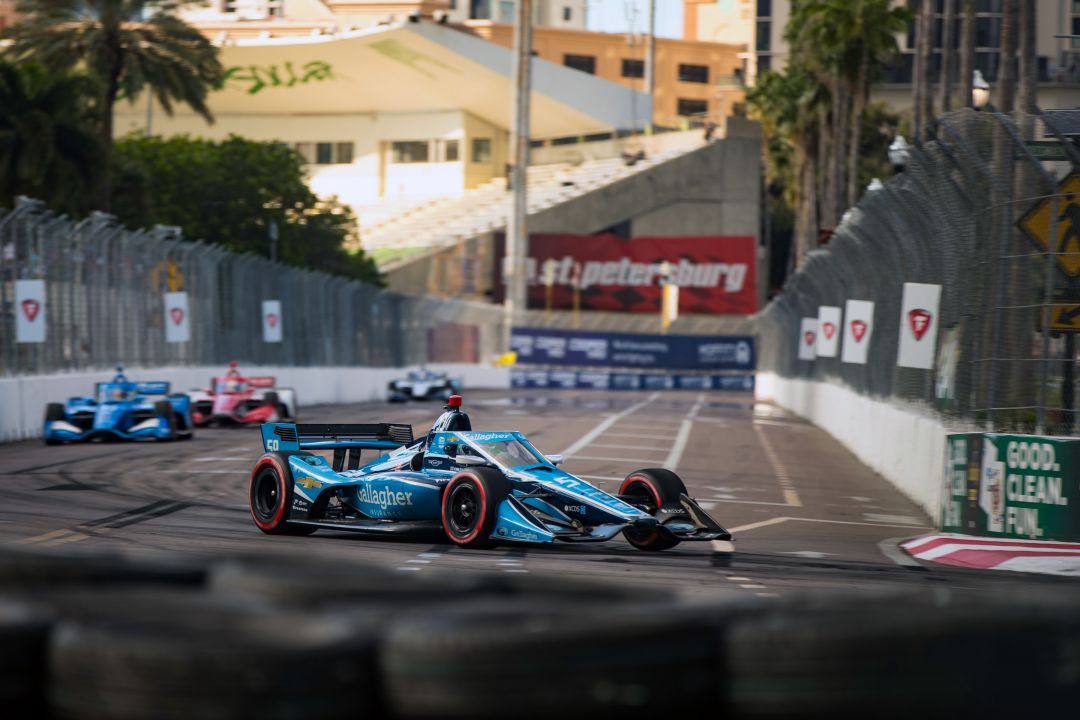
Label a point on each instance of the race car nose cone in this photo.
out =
(454, 401)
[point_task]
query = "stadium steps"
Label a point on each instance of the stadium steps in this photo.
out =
(449, 220)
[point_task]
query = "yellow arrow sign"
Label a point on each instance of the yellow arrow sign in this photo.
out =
(1036, 225)
(1064, 317)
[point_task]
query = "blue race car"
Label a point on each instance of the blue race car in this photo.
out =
(120, 410)
(480, 488)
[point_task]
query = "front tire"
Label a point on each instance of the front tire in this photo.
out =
(470, 506)
(53, 413)
(165, 409)
(656, 487)
(270, 495)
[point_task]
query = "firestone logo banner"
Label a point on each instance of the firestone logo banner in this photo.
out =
(715, 274)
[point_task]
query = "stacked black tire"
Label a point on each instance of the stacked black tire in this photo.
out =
(104, 637)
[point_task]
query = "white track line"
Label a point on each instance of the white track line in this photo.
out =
(791, 497)
(687, 424)
(605, 424)
(605, 458)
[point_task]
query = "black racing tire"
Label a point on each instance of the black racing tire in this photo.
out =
(24, 635)
(53, 413)
(500, 658)
(658, 487)
(272, 398)
(143, 656)
(165, 409)
(837, 656)
(470, 505)
(31, 569)
(270, 494)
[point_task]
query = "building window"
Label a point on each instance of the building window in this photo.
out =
(480, 10)
(693, 107)
(481, 150)
(343, 153)
(763, 41)
(764, 8)
(567, 14)
(694, 73)
(506, 11)
(584, 63)
(764, 63)
(306, 151)
(324, 153)
(633, 68)
(410, 151)
(451, 152)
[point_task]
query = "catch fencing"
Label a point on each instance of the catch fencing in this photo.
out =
(977, 212)
(105, 292)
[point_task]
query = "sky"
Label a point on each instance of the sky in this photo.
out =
(631, 15)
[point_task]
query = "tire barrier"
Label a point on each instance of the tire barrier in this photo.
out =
(106, 637)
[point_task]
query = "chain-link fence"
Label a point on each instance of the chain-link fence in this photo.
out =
(105, 292)
(976, 212)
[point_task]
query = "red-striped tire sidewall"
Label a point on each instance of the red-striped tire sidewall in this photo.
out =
(279, 517)
(483, 508)
(653, 490)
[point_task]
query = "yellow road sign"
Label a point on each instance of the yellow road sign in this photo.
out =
(1036, 225)
(1064, 317)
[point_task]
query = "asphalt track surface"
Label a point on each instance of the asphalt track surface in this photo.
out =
(805, 513)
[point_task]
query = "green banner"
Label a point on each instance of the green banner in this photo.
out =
(1018, 486)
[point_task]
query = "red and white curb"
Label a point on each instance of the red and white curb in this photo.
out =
(1036, 556)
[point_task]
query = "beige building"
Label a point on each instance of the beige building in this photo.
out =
(7, 14)
(409, 110)
(761, 23)
(694, 79)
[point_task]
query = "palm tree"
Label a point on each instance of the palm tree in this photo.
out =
(967, 54)
(1006, 75)
(873, 28)
(127, 45)
(1029, 70)
(924, 51)
(48, 147)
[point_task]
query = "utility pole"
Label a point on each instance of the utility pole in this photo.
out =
(517, 235)
(650, 65)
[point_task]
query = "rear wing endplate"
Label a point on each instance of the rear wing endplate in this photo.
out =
(290, 437)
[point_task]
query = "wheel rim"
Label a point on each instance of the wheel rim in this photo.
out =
(464, 505)
(266, 495)
(640, 489)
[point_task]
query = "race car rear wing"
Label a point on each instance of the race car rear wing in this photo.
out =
(289, 437)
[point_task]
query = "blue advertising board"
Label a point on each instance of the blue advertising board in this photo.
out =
(593, 380)
(545, 346)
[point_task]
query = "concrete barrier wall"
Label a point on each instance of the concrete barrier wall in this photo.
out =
(23, 399)
(902, 443)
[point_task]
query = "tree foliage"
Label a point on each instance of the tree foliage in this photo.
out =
(813, 111)
(229, 193)
(48, 148)
(127, 46)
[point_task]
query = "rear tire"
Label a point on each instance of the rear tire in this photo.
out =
(657, 487)
(270, 494)
(470, 506)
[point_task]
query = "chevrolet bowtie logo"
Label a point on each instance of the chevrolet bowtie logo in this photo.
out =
(308, 482)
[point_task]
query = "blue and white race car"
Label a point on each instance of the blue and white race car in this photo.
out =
(120, 410)
(480, 488)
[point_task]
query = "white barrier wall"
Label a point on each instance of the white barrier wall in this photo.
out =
(904, 445)
(23, 399)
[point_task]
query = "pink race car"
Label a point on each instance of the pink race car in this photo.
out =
(236, 399)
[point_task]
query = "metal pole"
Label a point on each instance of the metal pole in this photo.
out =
(517, 238)
(1048, 312)
(650, 65)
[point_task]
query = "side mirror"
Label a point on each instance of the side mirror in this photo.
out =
(554, 459)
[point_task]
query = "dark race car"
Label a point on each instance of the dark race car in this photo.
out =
(422, 384)
(120, 410)
(480, 488)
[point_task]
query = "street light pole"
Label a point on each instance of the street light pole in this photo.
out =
(517, 237)
(650, 65)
